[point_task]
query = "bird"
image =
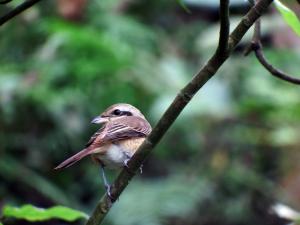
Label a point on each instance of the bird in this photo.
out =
(123, 129)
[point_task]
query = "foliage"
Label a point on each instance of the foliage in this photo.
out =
(183, 6)
(178, 197)
(239, 135)
(33, 214)
(289, 16)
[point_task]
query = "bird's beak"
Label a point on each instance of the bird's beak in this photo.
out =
(99, 120)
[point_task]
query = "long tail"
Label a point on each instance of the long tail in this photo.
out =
(73, 159)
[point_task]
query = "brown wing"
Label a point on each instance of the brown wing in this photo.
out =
(122, 128)
(118, 129)
(93, 138)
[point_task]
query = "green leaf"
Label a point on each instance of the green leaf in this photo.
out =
(32, 213)
(183, 6)
(289, 16)
(1, 223)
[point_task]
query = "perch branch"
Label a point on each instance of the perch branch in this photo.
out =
(14, 12)
(168, 118)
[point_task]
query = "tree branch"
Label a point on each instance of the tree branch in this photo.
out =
(168, 118)
(224, 27)
(14, 12)
(256, 46)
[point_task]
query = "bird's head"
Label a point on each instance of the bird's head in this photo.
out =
(117, 111)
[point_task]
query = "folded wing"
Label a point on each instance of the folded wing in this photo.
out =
(119, 129)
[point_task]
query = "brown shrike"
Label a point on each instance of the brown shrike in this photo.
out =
(123, 131)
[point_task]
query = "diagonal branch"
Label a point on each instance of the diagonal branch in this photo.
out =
(14, 12)
(256, 46)
(168, 118)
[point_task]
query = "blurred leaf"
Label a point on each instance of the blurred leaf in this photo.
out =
(183, 6)
(32, 213)
(285, 135)
(286, 212)
(289, 16)
(12, 169)
(178, 197)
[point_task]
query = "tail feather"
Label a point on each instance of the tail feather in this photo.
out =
(73, 159)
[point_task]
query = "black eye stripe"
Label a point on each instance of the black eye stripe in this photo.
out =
(118, 112)
(126, 113)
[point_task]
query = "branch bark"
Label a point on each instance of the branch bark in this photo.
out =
(224, 28)
(256, 46)
(181, 100)
(16, 11)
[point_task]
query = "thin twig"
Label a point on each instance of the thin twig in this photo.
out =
(224, 27)
(14, 12)
(256, 46)
(181, 100)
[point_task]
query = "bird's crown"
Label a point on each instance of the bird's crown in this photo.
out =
(122, 109)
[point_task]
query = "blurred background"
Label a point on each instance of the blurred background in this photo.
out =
(231, 154)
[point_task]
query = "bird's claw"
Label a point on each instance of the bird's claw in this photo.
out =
(108, 192)
(141, 169)
(126, 163)
(128, 169)
(126, 166)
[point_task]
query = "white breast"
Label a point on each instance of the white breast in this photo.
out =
(114, 157)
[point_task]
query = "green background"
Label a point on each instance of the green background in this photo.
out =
(232, 151)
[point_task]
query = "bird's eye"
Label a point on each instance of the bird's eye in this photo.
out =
(117, 112)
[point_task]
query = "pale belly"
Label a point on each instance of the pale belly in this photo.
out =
(115, 155)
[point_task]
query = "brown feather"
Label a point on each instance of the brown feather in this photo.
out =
(126, 127)
(117, 130)
(131, 145)
(95, 135)
(73, 159)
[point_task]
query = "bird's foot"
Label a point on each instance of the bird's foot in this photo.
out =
(107, 185)
(126, 163)
(126, 166)
(141, 168)
(128, 169)
(108, 192)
